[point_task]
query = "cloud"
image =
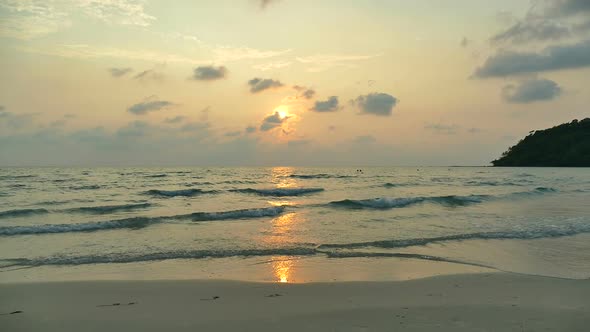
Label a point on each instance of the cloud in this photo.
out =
(380, 104)
(209, 73)
(150, 104)
(250, 129)
(329, 105)
(259, 84)
(10, 120)
(272, 65)
(304, 92)
(149, 75)
(532, 30)
(445, 129)
(272, 121)
(321, 62)
(558, 8)
(224, 54)
(531, 91)
(37, 18)
(118, 72)
(507, 63)
(176, 119)
(546, 21)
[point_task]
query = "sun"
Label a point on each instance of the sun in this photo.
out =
(283, 111)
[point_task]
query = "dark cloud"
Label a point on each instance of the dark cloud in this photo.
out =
(149, 75)
(149, 105)
(507, 63)
(118, 72)
(176, 119)
(546, 20)
(329, 105)
(272, 121)
(532, 30)
(259, 84)
(304, 92)
(531, 90)
(250, 129)
(559, 8)
(381, 104)
(209, 73)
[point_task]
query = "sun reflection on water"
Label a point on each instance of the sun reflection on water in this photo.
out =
(282, 268)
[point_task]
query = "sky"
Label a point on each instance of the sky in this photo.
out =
(285, 82)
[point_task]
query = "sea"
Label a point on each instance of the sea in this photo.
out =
(292, 224)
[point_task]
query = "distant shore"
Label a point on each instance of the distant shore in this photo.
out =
(469, 302)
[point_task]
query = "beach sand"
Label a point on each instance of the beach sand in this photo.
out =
(468, 302)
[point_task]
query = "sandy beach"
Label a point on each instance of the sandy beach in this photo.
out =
(469, 302)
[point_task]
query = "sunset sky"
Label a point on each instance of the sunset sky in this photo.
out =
(286, 82)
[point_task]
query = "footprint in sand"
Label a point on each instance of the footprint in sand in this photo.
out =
(115, 304)
(12, 313)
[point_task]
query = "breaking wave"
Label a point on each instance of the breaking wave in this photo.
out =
(238, 214)
(132, 223)
(279, 192)
(22, 213)
(156, 256)
(177, 193)
(392, 203)
(539, 233)
(319, 176)
(105, 209)
(136, 222)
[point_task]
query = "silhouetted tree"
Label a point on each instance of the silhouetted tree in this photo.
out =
(566, 145)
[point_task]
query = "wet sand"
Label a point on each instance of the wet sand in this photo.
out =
(468, 302)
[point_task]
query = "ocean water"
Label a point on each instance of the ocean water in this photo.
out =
(524, 220)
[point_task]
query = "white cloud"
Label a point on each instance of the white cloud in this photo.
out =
(323, 62)
(29, 19)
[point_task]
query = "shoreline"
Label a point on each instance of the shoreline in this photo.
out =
(496, 301)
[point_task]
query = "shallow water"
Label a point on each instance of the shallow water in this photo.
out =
(525, 220)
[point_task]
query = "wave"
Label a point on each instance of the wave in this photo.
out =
(156, 176)
(384, 203)
(11, 177)
(279, 192)
(319, 176)
(22, 213)
(548, 232)
(135, 222)
(132, 223)
(238, 214)
(177, 193)
(105, 209)
(156, 256)
(87, 187)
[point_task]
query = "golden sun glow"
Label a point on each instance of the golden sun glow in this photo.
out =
(283, 111)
